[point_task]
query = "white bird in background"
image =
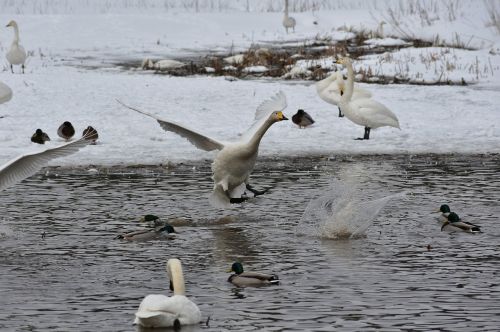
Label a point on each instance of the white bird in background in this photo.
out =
(28, 164)
(5, 93)
(364, 112)
(157, 310)
(288, 22)
(16, 54)
(331, 89)
(234, 163)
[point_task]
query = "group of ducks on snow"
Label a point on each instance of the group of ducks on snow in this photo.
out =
(66, 131)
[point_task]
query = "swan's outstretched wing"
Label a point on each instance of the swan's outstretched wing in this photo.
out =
(200, 141)
(26, 165)
(273, 104)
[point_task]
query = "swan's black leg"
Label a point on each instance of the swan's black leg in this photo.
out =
(367, 133)
(22, 66)
(12, 69)
(238, 200)
(256, 192)
(341, 115)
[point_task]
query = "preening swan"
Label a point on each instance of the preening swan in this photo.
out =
(234, 163)
(26, 165)
(364, 111)
(16, 55)
(331, 89)
(243, 279)
(288, 22)
(5, 93)
(158, 310)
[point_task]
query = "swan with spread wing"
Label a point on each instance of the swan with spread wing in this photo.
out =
(234, 163)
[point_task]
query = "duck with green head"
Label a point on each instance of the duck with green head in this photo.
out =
(445, 211)
(151, 220)
(243, 279)
(161, 232)
(454, 223)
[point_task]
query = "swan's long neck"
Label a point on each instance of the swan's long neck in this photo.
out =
(16, 34)
(286, 8)
(176, 277)
(325, 83)
(347, 94)
(255, 140)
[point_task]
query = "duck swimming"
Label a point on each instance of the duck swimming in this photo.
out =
(243, 279)
(302, 119)
(162, 232)
(151, 220)
(158, 310)
(40, 137)
(454, 223)
(445, 211)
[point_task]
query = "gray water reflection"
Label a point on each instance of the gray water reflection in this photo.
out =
(61, 270)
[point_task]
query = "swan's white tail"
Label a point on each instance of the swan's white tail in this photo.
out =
(219, 199)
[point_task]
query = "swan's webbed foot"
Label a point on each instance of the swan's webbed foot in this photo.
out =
(255, 191)
(341, 115)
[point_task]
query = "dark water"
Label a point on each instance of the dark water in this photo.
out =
(78, 278)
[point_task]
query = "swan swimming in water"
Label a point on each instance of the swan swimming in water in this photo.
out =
(16, 55)
(158, 310)
(234, 163)
(331, 89)
(365, 112)
(288, 21)
(5, 93)
(28, 164)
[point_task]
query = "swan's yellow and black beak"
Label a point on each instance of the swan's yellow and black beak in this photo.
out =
(280, 116)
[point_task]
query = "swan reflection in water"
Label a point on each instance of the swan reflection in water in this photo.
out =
(344, 212)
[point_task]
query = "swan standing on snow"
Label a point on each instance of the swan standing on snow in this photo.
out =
(16, 54)
(5, 93)
(364, 112)
(331, 89)
(288, 22)
(158, 310)
(26, 165)
(234, 163)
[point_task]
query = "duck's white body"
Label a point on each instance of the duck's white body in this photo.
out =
(158, 310)
(16, 55)
(288, 22)
(329, 89)
(235, 162)
(5, 93)
(364, 111)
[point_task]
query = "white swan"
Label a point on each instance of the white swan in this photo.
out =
(5, 93)
(26, 165)
(16, 54)
(331, 89)
(288, 22)
(234, 163)
(157, 310)
(365, 112)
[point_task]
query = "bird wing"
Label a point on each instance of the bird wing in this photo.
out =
(375, 111)
(273, 104)
(200, 141)
(26, 165)
(259, 276)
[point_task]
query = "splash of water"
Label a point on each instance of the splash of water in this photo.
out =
(345, 212)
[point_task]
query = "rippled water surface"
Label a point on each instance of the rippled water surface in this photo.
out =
(61, 269)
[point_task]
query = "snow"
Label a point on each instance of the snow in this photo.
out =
(434, 119)
(385, 42)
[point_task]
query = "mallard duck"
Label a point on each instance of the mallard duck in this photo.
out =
(40, 137)
(234, 163)
(445, 211)
(66, 130)
(91, 134)
(161, 232)
(151, 220)
(364, 111)
(158, 310)
(16, 55)
(454, 223)
(302, 119)
(28, 164)
(242, 279)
